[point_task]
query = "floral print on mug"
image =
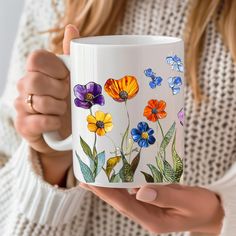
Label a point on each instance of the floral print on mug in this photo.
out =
(121, 164)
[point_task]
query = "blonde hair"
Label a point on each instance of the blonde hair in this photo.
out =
(99, 17)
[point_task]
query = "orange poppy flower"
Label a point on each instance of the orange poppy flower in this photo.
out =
(155, 110)
(122, 89)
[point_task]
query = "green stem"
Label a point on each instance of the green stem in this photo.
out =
(163, 135)
(91, 113)
(131, 148)
(127, 129)
(94, 146)
(159, 124)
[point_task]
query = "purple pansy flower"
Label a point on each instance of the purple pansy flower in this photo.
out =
(181, 116)
(88, 95)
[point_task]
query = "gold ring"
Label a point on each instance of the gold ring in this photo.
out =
(29, 101)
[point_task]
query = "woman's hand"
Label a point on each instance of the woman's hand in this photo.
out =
(166, 208)
(47, 79)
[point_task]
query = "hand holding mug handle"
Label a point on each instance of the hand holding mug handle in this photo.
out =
(53, 138)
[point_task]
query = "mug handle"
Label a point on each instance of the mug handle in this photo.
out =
(53, 139)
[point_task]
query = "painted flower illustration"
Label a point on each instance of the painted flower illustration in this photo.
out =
(175, 83)
(155, 80)
(88, 95)
(176, 63)
(181, 116)
(123, 89)
(143, 135)
(101, 123)
(155, 110)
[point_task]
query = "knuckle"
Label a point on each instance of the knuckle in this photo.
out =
(34, 59)
(34, 81)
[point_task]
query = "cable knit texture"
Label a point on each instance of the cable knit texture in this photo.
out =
(30, 206)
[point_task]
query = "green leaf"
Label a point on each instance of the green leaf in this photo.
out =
(135, 162)
(160, 164)
(155, 173)
(92, 165)
(126, 173)
(100, 160)
(168, 173)
(111, 163)
(87, 173)
(148, 178)
(115, 178)
(166, 139)
(177, 162)
(86, 148)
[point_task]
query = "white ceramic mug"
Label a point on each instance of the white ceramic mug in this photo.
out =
(127, 96)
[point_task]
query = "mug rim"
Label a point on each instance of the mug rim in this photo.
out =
(126, 40)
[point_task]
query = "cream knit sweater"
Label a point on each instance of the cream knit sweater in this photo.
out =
(30, 206)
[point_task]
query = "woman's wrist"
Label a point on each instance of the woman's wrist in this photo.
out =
(55, 167)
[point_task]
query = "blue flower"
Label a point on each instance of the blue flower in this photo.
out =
(176, 63)
(155, 80)
(175, 83)
(143, 135)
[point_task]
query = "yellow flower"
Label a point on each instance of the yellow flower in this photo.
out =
(101, 123)
(122, 89)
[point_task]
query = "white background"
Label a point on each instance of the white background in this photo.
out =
(10, 11)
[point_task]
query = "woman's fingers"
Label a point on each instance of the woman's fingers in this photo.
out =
(32, 126)
(48, 105)
(164, 196)
(71, 32)
(151, 218)
(120, 199)
(41, 104)
(41, 84)
(46, 63)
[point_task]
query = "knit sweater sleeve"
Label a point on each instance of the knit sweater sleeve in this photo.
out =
(29, 205)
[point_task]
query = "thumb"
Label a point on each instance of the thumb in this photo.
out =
(71, 32)
(166, 196)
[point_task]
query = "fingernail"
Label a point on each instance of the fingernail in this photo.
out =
(146, 195)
